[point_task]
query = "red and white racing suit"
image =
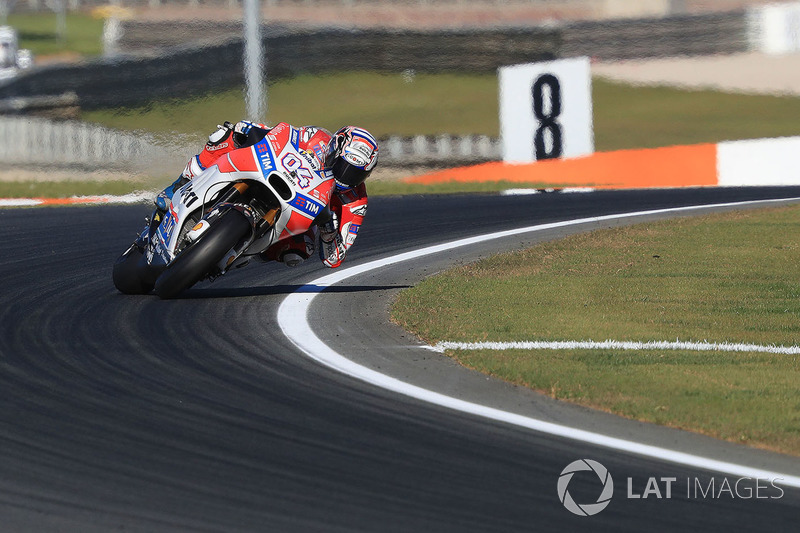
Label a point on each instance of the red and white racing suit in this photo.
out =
(348, 207)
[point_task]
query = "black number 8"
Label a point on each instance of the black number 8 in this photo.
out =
(547, 120)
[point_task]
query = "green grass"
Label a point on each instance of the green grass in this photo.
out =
(38, 33)
(627, 116)
(66, 189)
(388, 104)
(745, 398)
(384, 104)
(624, 116)
(719, 278)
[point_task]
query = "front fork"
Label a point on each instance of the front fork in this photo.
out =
(260, 216)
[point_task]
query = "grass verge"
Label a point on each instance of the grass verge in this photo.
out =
(625, 116)
(384, 104)
(718, 278)
(38, 32)
(66, 189)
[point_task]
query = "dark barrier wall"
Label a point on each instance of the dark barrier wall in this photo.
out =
(719, 33)
(198, 70)
(186, 71)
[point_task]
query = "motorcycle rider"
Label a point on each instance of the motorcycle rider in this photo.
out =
(350, 154)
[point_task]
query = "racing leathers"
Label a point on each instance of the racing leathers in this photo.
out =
(347, 206)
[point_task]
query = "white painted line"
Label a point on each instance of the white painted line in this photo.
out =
(131, 198)
(293, 320)
(577, 189)
(520, 192)
(565, 190)
(617, 345)
(19, 202)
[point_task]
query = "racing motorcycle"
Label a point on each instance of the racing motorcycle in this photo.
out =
(227, 215)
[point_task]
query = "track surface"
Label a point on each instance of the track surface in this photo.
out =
(131, 413)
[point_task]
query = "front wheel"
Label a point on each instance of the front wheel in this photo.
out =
(126, 274)
(199, 258)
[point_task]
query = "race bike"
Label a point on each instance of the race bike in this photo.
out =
(230, 213)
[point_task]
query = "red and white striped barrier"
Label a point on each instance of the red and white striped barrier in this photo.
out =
(761, 162)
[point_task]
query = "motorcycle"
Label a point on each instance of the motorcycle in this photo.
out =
(229, 214)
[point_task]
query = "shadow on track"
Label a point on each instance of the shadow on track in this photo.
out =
(269, 290)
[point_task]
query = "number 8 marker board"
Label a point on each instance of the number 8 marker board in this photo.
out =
(546, 110)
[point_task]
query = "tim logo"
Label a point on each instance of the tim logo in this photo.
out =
(306, 205)
(264, 158)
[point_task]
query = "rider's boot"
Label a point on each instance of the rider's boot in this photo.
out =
(163, 199)
(219, 142)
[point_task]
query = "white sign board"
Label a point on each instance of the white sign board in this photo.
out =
(775, 29)
(546, 110)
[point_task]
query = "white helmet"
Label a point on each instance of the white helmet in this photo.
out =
(352, 154)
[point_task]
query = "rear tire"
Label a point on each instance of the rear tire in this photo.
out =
(198, 260)
(126, 275)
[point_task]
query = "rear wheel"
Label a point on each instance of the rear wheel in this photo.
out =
(126, 275)
(199, 259)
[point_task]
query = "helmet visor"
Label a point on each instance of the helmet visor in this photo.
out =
(347, 175)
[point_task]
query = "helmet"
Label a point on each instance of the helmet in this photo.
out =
(352, 154)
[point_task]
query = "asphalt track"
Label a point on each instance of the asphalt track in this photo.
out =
(135, 414)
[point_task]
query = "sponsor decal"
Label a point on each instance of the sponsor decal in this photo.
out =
(311, 159)
(319, 151)
(307, 132)
(361, 210)
(275, 134)
(188, 196)
(211, 148)
(354, 228)
(356, 156)
(361, 154)
(166, 227)
(306, 205)
(159, 250)
(264, 157)
(323, 196)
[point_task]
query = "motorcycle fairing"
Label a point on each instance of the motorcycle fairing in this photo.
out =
(301, 191)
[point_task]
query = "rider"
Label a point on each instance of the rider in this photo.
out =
(350, 154)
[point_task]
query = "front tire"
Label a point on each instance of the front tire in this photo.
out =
(199, 258)
(126, 274)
